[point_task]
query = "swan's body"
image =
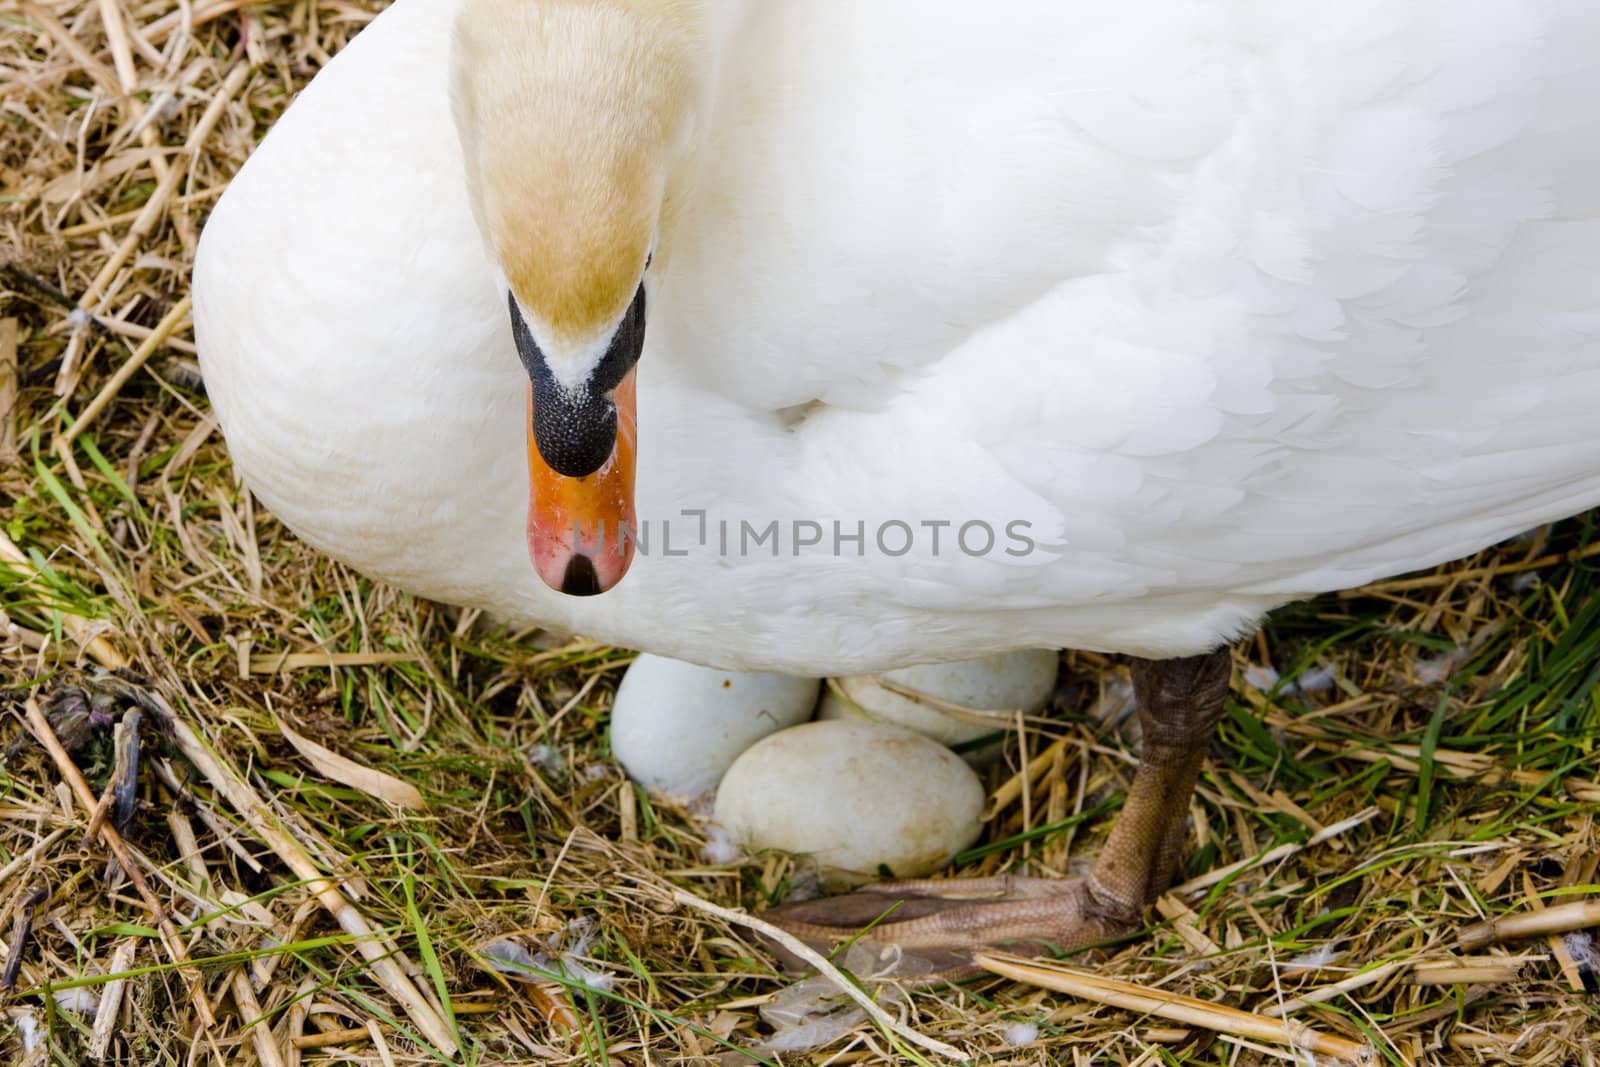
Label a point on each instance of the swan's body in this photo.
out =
(1230, 302)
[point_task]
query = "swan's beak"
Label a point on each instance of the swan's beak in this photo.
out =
(580, 530)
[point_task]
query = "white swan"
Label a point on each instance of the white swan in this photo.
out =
(1194, 308)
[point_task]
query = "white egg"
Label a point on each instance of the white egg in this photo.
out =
(858, 797)
(1000, 684)
(676, 727)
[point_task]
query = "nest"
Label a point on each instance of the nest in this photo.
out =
(260, 809)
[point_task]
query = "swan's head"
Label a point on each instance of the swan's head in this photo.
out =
(571, 114)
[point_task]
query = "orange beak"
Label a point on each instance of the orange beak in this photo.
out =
(580, 530)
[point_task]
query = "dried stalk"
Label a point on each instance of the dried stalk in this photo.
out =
(164, 329)
(1187, 1010)
(166, 188)
(1478, 971)
(170, 938)
(378, 952)
(385, 958)
(1322, 994)
(824, 968)
(105, 1016)
(22, 929)
(1561, 919)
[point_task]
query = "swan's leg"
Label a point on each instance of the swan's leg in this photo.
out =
(1180, 702)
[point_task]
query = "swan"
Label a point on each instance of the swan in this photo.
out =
(829, 338)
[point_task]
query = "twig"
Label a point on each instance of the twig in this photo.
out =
(80, 788)
(10, 384)
(1557, 920)
(1273, 855)
(42, 287)
(33, 853)
(169, 322)
(1328, 992)
(253, 1019)
(167, 186)
(284, 662)
(1183, 922)
(826, 969)
(1182, 1009)
(97, 814)
(105, 1017)
(383, 957)
(126, 776)
(1478, 970)
(80, 54)
(21, 928)
(379, 1043)
(160, 29)
(1429, 581)
(119, 39)
(326, 1038)
(84, 229)
(214, 822)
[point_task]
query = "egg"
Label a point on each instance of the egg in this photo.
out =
(860, 798)
(1001, 684)
(676, 727)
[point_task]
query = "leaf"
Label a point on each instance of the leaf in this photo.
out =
(341, 769)
(126, 930)
(1425, 761)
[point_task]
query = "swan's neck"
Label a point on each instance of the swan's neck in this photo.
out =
(573, 116)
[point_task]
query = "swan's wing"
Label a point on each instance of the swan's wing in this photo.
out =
(1366, 342)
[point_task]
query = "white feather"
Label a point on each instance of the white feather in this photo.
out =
(1230, 303)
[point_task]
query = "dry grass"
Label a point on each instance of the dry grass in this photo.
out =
(1449, 722)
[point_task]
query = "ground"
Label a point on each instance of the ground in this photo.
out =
(452, 780)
